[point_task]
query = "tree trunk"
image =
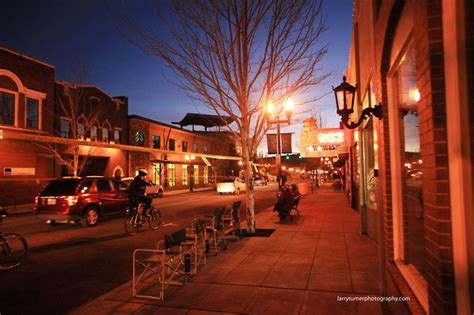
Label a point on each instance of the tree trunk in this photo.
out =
(76, 160)
(249, 192)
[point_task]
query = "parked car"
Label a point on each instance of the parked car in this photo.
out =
(153, 191)
(231, 185)
(87, 199)
(259, 181)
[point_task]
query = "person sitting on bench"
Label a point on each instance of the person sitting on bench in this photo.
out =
(284, 203)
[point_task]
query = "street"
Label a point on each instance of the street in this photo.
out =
(69, 265)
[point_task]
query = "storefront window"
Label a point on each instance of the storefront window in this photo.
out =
(185, 175)
(196, 174)
(172, 175)
(370, 160)
(157, 168)
(411, 174)
(206, 174)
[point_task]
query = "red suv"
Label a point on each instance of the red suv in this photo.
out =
(81, 199)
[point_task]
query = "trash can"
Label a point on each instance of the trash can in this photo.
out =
(303, 188)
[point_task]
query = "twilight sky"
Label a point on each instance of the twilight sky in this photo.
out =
(62, 33)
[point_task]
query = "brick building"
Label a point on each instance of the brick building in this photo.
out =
(87, 112)
(32, 104)
(414, 167)
(174, 170)
(26, 107)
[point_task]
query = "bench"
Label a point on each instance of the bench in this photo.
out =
(169, 264)
(296, 201)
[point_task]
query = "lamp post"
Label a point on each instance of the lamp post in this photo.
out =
(345, 96)
(288, 109)
(190, 158)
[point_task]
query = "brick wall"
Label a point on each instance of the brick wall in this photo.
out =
(36, 76)
(433, 145)
(39, 77)
(432, 118)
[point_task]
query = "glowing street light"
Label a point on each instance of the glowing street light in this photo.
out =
(288, 109)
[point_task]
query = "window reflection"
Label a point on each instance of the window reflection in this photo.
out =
(411, 162)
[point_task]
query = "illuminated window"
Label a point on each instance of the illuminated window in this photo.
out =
(172, 175)
(184, 174)
(157, 169)
(205, 173)
(196, 174)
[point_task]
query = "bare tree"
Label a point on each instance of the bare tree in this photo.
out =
(72, 106)
(163, 170)
(236, 55)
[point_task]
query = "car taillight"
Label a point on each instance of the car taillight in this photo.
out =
(72, 200)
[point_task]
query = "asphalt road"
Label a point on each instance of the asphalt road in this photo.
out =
(69, 265)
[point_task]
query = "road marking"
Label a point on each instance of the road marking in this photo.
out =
(170, 224)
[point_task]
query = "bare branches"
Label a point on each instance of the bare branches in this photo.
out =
(235, 55)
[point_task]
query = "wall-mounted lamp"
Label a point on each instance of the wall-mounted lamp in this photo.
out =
(345, 96)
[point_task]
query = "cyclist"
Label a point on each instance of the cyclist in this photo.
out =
(136, 191)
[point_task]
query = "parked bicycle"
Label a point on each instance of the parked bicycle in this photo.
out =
(13, 247)
(136, 218)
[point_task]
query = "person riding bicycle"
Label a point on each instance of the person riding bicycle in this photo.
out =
(136, 191)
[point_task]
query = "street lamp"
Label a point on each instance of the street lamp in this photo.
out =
(288, 109)
(345, 96)
(190, 158)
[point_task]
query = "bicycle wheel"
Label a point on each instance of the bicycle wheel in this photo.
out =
(131, 223)
(154, 218)
(13, 251)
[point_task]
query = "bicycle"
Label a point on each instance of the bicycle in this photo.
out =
(13, 247)
(136, 218)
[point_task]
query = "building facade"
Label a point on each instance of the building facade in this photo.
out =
(26, 107)
(180, 168)
(86, 112)
(414, 167)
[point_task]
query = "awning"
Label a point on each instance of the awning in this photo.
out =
(206, 161)
(204, 120)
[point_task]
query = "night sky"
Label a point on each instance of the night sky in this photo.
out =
(62, 33)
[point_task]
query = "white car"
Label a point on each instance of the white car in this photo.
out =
(231, 185)
(153, 191)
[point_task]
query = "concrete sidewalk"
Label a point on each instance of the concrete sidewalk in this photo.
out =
(302, 268)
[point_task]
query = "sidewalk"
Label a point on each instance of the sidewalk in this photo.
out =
(300, 269)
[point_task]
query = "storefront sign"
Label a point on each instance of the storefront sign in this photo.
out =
(331, 137)
(322, 142)
(18, 171)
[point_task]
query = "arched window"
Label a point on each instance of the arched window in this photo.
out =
(10, 87)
